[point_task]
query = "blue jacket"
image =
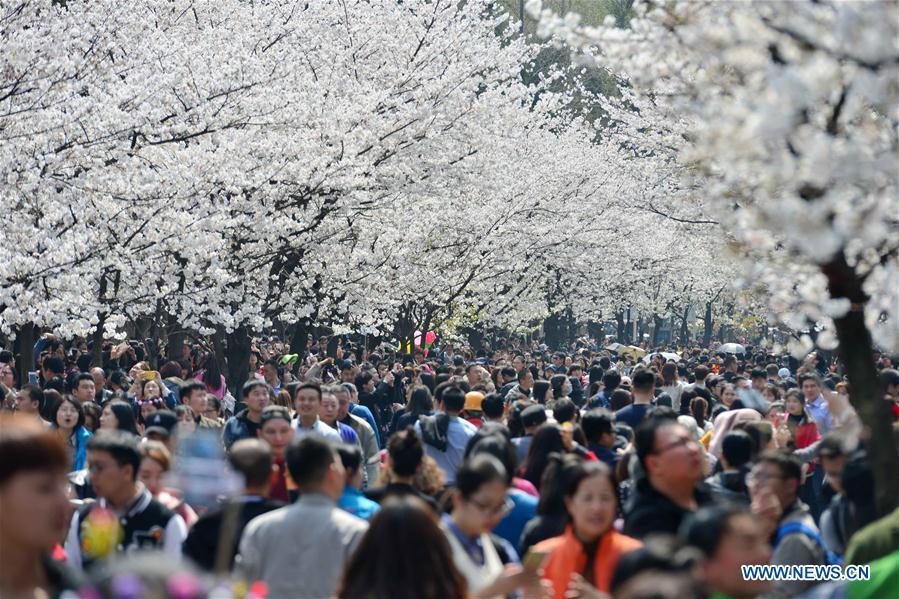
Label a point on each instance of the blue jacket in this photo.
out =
(354, 502)
(238, 427)
(81, 436)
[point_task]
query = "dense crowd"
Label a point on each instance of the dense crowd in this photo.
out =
(452, 472)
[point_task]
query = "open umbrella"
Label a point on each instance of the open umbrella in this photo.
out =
(665, 355)
(615, 347)
(632, 351)
(732, 348)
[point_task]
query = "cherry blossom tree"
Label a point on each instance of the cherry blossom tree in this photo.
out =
(791, 133)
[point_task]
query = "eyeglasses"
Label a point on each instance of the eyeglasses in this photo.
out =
(683, 442)
(502, 509)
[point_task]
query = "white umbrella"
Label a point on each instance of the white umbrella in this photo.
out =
(666, 355)
(732, 348)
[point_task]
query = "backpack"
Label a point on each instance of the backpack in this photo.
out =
(830, 557)
(434, 430)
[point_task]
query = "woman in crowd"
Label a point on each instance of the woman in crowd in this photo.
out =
(36, 512)
(155, 463)
(590, 548)
(479, 502)
(404, 472)
(419, 403)
(117, 414)
(403, 543)
(542, 392)
(561, 387)
(672, 385)
(145, 407)
(92, 413)
(275, 430)
(550, 439)
(68, 421)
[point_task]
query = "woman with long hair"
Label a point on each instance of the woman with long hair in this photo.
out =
(211, 376)
(672, 385)
(68, 422)
(542, 392)
(118, 415)
(590, 547)
(550, 439)
(420, 403)
(403, 555)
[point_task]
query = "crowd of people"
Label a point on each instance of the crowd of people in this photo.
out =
(590, 471)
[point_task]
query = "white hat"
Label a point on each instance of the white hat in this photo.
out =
(783, 373)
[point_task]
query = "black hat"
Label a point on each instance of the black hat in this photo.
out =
(532, 416)
(162, 422)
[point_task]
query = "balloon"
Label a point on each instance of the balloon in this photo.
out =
(430, 338)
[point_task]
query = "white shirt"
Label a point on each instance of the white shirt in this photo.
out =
(319, 427)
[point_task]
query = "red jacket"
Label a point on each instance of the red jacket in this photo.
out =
(567, 556)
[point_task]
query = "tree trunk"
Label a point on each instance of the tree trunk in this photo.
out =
(707, 325)
(300, 337)
(175, 350)
(25, 340)
(237, 354)
(856, 350)
(621, 328)
(683, 326)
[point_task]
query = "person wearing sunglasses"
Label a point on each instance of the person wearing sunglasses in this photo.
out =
(479, 501)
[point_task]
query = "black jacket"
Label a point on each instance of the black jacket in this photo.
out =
(651, 512)
(201, 544)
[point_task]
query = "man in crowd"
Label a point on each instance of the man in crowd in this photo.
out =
(810, 385)
(113, 461)
(30, 401)
(643, 384)
(599, 428)
(300, 550)
(445, 434)
(245, 424)
(52, 367)
(252, 458)
(83, 388)
(271, 374)
(193, 393)
(368, 439)
(774, 488)
(102, 394)
(524, 386)
(673, 465)
(308, 403)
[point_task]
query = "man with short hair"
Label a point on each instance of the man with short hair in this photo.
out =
(599, 428)
(193, 393)
(83, 388)
(271, 374)
(837, 519)
(113, 461)
(643, 384)
(52, 367)
(300, 551)
(759, 379)
(445, 434)
(673, 465)
(774, 488)
(492, 409)
(328, 413)
(810, 384)
(245, 424)
(30, 401)
(368, 439)
(102, 394)
(524, 386)
(252, 458)
(308, 402)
